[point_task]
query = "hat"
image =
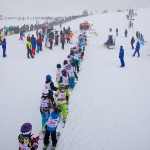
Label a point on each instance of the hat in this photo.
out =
(26, 128)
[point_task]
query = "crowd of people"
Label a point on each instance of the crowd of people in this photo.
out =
(53, 107)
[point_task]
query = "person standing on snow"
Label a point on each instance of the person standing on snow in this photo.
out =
(126, 33)
(4, 47)
(121, 56)
(116, 31)
(137, 34)
(29, 49)
(132, 42)
(33, 43)
(51, 43)
(137, 49)
(62, 42)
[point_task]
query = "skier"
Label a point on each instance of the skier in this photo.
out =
(132, 42)
(71, 37)
(50, 128)
(72, 76)
(40, 40)
(61, 101)
(4, 47)
(25, 139)
(62, 41)
(29, 49)
(58, 74)
(121, 56)
(45, 105)
(56, 38)
(50, 86)
(116, 31)
(137, 49)
(46, 41)
(33, 43)
(126, 32)
(38, 46)
(51, 43)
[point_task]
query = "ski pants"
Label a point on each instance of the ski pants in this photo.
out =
(79, 61)
(53, 137)
(4, 52)
(72, 82)
(62, 46)
(51, 45)
(132, 45)
(77, 65)
(29, 52)
(58, 84)
(38, 49)
(44, 118)
(67, 94)
(122, 62)
(33, 50)
(136, 51)
(64, 110)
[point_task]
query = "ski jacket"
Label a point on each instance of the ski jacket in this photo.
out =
(50, 86)
(61, 96)
(137, 46)
(52, 122)
(4, 45)
(121, 53)
(62, 40)
(71, 35)
(33, 42)
(45, 105)
(51, 40)
(126, 32)
(28, 45)
(46, 39)
(40, 40)
(132, 40)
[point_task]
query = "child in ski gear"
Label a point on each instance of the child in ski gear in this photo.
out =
(46, 41)
(51, 126)
(137, 49)
(29, 49)
(64, 80)
(58, 74)
(72, 75)
(38, 46)
(45, 105)
(50, 86)
(61, 100)
(4, 47)
(25, 139)
(121, 56)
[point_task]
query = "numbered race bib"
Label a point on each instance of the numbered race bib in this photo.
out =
(51, 123)
(62, 96)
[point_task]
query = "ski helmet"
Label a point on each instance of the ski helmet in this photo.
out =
(65, 62)
(68, 56)
(64, 72)
(57, 109)
(48, 77)
(26, 128)
(45, 92)
(58, 65)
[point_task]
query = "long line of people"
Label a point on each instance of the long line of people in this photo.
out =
(53, 107)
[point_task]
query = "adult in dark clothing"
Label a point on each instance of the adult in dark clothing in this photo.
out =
(132, 42)
(61, 32)
(62, 41)
(137, 34)
(56, 39)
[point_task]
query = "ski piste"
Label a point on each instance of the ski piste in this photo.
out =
(53, 148)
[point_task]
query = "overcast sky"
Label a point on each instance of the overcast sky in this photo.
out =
(18, 8)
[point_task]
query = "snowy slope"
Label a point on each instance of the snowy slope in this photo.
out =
(108, 109)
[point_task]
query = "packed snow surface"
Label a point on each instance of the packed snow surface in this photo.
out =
(109, 108)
